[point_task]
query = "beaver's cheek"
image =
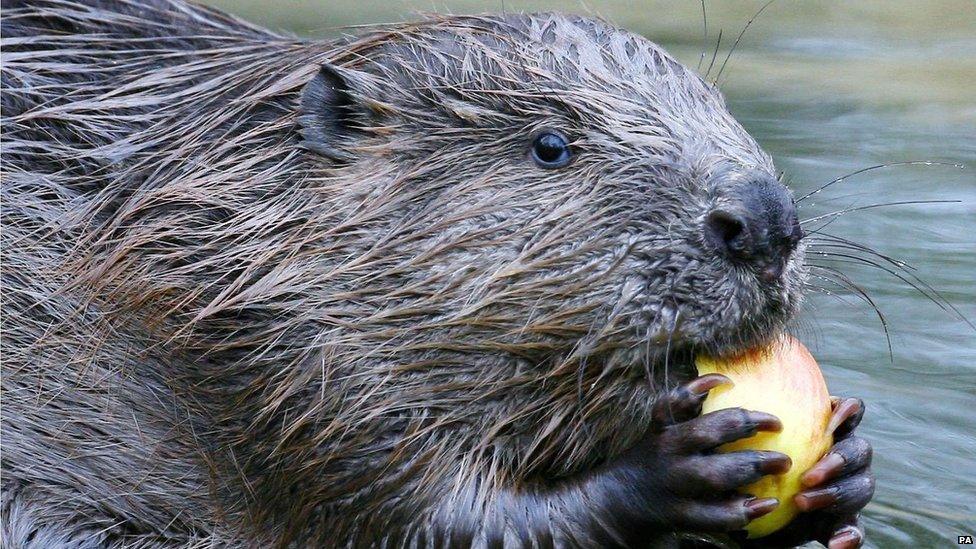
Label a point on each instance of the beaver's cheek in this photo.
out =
(794, 280)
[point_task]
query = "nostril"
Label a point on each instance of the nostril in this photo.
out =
(726, 231)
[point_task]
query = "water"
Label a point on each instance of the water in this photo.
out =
(828, 88)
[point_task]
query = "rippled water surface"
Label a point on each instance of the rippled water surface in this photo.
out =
(829, 88)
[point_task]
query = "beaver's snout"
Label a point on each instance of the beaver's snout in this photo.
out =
(756, 224)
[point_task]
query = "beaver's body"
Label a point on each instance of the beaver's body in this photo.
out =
(261, 290)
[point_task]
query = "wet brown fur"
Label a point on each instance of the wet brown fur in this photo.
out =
(214, 334)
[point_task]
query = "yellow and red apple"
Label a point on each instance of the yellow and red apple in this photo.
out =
(782, 379)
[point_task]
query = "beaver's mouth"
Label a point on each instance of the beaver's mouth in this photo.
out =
(676, 347)
(687, 337)
(680, 363)
(676, 363)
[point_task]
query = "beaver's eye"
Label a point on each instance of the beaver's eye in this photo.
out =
(551, 150)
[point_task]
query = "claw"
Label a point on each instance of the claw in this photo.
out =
(845, 496)
(811, 500)
(844, 409)
(827, 468)
(848, 538)
(702, 385)
(685, 402)
(756, 508)
(775, 464)
(768, 422)
(847, 456)
(713, 429)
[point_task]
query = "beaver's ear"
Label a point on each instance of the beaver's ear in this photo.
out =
(333, 112)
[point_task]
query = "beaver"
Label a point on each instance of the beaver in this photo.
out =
(437, 284)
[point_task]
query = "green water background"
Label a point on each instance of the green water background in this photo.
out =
(829, 87)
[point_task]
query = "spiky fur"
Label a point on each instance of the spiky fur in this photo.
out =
(214, 335)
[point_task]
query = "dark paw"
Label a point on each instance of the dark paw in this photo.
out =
(683, 481)
(841, 483)
(836, 488)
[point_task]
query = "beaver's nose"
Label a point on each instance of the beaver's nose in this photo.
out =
(757, 225)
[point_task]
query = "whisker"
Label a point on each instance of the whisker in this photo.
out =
(823, 226)
(845, 281)
(823, 289)
(738, 38)
(877, 167)
(714, 55)
(648, 372)
(877, 205)
(667, 348)
(915, 282)
(701, 59)
(855, 195)
(591, 332)
(839, 241)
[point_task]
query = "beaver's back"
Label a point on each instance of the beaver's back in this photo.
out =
(80, 78)
(91, 426)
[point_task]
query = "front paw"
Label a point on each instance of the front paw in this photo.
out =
(841, 483)
(836, 488)
(675, 478)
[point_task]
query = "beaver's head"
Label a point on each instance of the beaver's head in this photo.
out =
(535, 189)
(535, 215)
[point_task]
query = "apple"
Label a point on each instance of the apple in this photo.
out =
(782, 379)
